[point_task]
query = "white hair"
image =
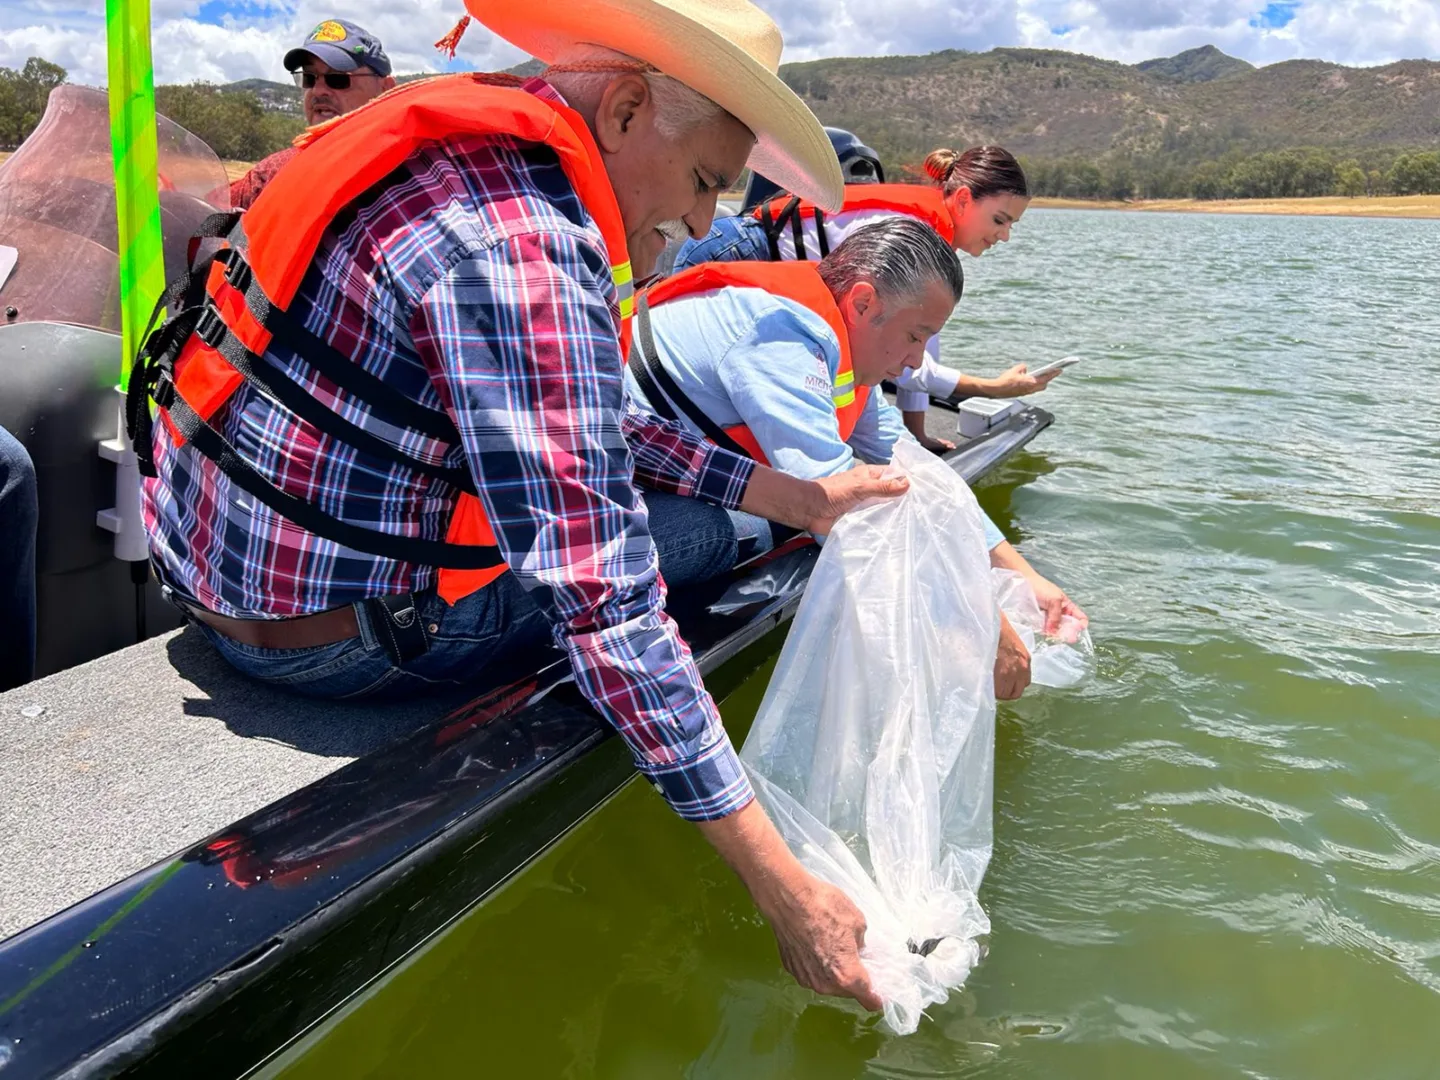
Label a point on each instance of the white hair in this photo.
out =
(679, 110)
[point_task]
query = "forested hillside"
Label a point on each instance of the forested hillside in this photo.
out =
(1198, 124)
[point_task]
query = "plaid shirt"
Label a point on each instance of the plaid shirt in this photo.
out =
(246, 190)
(475, 281)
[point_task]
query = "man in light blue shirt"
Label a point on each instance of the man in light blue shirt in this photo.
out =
(741, 355)
(747, 356)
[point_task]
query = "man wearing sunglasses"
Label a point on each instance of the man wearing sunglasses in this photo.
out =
(338, 67)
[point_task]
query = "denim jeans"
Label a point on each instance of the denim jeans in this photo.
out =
(19, 514)
(754, 535)
(487, 639)
(730, 239)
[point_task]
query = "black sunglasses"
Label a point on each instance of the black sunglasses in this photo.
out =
(335, 80)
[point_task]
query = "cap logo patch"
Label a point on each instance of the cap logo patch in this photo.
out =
(329, 30)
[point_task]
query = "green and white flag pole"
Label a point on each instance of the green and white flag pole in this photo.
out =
(135, 150)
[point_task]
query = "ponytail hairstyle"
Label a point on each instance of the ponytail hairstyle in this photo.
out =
(985, 170)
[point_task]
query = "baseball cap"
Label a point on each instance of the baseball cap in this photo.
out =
(342, 45)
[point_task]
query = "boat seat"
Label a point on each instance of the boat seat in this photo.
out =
(111, 766)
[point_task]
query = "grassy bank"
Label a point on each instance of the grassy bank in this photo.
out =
(1395, 206)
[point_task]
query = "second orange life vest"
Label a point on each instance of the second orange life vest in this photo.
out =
(798, 281)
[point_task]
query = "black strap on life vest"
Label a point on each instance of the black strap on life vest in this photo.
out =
(821, 239)
(660, 387)
(192, 313)
(184, 299)
(774, 225)
(384, 400)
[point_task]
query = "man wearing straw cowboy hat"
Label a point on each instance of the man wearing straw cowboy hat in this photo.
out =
(394, 448)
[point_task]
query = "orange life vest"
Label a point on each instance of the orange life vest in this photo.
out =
(253, 280)
(796, 281)
(920, 201)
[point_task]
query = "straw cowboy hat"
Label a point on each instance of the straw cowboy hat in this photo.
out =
(728, 50)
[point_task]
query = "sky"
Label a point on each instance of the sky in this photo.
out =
(225, 40)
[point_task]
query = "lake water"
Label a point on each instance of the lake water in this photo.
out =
(1221, 857)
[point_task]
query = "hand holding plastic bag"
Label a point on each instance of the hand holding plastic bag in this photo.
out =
(1061, 660)
(872, 751)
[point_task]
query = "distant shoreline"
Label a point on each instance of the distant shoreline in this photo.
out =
(1388, 206)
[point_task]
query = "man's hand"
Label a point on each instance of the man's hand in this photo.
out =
(1016, 382)
(915, 424)
(1056, 605)
(1012, 663)
(845, 491)
(818, 929)
(815, 504)
(1052, 599)
(820, 933)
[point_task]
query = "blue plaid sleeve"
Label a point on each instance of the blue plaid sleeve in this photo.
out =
(524, 333)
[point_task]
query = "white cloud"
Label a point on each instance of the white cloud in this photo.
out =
(1369, 31)
(248, 43)
(256, 33)
(819, 28)
(1343, 31)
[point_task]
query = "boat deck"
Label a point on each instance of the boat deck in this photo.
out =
(116, 764)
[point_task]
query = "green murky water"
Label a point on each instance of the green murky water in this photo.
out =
(1221, 858)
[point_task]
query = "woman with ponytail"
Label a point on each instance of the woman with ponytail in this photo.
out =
(973, 199)
(985, 192)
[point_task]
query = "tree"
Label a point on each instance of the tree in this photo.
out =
(23, 95)
(1415, 174)
(1209, 181)
(1118, 181)
(1316, 175)
(234, 123)
(1350, 179)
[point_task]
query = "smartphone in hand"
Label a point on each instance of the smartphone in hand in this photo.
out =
(1054, 365)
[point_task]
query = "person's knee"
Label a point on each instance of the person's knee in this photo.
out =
(695, 541)
(754, 535)
(729, 240)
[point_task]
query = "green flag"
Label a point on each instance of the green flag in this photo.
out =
(137, 187)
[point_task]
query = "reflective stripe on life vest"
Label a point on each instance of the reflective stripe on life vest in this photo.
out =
(843, 392)
(798, 281)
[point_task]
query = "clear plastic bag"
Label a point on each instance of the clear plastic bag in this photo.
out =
(873, 749)
(1062, 660)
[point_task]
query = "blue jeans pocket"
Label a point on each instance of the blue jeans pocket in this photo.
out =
(340, 670)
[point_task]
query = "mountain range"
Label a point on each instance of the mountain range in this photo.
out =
(1045, 103)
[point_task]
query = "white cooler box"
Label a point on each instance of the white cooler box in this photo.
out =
(979, 416)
